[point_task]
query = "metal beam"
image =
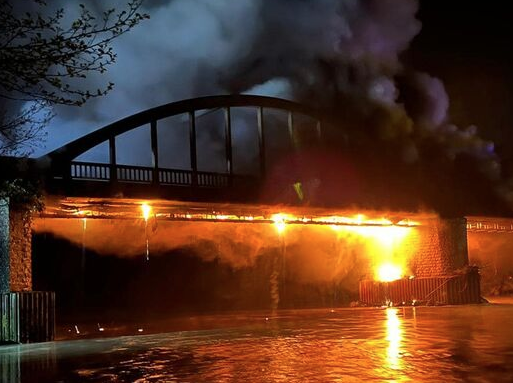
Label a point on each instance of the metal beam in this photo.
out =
(72, 150)
(192, 143)
(154, 152)
(228, 141)
(112, 159)
(261, 140)
(290, 125)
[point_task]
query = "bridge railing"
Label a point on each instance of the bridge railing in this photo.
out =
(90, 171)
(489, 225)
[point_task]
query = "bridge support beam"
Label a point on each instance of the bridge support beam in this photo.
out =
(25, 316)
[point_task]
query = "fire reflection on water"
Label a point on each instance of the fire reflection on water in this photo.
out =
(452, 344)
(394, 336)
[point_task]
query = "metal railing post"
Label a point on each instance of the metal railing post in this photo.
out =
(261, 141)
(228, 143)
(192, 143)
(154, 152)
(112, 159)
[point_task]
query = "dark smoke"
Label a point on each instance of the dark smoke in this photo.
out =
(342, 56)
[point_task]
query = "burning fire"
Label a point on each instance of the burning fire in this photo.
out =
(385, 244)
(388, 272)
(279, 221)
(384, 240)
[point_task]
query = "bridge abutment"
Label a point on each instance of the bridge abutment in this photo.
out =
(26, 316)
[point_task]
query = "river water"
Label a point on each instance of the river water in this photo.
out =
(422, 344)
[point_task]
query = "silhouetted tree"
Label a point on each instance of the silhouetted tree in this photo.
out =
(43, 58)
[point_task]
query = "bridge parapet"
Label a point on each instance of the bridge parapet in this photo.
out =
(490, 224)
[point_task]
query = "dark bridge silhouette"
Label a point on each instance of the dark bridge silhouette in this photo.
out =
(71, 177)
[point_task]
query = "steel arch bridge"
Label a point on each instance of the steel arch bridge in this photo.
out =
(69, 176)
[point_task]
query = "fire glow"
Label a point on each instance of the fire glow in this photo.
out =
(382, 241)
(386, 245)
(388, 272)
(146, 211)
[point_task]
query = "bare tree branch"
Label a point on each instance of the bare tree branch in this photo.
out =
(42, 61)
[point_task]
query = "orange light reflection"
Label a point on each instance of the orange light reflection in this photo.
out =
(394, 336)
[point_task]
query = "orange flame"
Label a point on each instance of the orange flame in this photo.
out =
(279, 222)
(385, 239)
(388, 272)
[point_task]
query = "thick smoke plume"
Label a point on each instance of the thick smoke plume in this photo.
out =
(342, 56)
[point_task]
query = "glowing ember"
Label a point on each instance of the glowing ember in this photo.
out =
(146, 211)
(389, 272)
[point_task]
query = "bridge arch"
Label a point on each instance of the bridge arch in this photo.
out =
(65, 170)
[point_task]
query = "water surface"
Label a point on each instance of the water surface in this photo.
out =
(423, 344)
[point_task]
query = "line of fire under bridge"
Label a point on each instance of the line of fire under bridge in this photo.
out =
(133, 209)
(99, 208)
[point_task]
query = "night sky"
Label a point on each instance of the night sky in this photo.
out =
(468, 45)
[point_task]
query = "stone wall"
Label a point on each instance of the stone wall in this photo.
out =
(442, 248)
(20, 251)
(4, 247)
(15, 249)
